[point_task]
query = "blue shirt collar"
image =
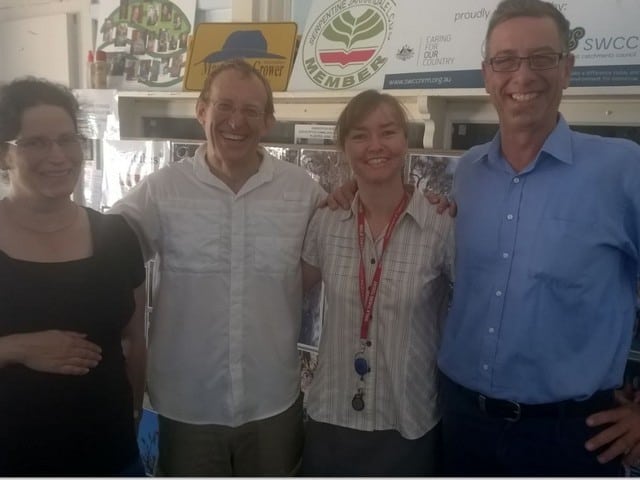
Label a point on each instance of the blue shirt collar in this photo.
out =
(557, 146)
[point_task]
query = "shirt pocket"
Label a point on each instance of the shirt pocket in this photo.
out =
(565, 251)
(192, 236)
(278, 228)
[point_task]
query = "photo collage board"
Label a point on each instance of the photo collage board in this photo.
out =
(145, 42)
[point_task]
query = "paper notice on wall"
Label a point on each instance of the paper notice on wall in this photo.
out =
(98, 117)
(313, 134)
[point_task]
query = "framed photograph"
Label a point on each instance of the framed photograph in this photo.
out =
(312, 311)
(328, 167)
(181, 150)
(432, 173)
(283, 152)
(308, 364)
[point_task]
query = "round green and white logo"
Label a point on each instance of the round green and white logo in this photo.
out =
(343, 46)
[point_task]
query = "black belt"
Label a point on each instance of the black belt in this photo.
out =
(514, 411)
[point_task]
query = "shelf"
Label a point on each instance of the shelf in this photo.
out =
(438, 109)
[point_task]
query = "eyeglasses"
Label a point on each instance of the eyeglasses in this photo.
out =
(40, 145)
(247, 111)
(539, 61)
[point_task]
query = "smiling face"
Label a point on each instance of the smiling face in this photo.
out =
(44, 175)
(233, 136)
(526, 100)
(376, 147)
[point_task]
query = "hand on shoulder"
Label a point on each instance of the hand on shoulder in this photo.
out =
(442, 203)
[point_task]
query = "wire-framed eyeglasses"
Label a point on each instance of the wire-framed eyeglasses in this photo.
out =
(247, 111)
(538, 61)
(41, 145)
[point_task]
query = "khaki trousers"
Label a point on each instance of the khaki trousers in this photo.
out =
(272, 446)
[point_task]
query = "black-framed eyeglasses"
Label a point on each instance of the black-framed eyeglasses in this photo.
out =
(247, 111)
(538, 61)
(41, 145)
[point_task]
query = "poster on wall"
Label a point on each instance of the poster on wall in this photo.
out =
(443, 48)
(126, 162)
(360, 44)
(145, 42)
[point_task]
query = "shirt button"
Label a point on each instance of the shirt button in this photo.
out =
(499, 293)
(491, 330)
(505, 255)
(485, 367)
(516, 180)
(510, 217)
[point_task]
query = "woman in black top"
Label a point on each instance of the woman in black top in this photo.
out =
(72, 345)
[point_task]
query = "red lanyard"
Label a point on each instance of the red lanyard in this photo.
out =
(368, 299)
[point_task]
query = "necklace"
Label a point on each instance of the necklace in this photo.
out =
(46, 228)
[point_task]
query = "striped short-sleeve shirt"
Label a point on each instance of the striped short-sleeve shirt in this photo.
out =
(400, 391)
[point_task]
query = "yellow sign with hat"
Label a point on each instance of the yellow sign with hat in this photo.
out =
(268, 46)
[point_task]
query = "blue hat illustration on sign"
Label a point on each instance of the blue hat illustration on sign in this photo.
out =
(242, 44)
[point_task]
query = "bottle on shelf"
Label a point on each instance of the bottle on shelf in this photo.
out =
(89, 79)
(99, 70)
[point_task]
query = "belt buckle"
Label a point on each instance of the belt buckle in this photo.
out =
(512, 416)
(517, 411)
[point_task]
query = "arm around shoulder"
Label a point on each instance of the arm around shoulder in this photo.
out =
(311, 276)
(139, 209)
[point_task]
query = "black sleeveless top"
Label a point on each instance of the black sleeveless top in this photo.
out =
(54, 424)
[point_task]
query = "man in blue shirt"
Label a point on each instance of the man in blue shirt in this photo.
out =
(548, 240)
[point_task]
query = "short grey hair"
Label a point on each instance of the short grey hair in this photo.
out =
(509, 9)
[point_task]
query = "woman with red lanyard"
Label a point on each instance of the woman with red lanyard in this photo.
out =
(384, 263)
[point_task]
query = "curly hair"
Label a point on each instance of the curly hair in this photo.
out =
(27, 92)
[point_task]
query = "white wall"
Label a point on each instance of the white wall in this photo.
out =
(45, 37)
(28, 48)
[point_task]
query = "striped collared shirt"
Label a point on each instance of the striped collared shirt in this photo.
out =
(400, 391)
